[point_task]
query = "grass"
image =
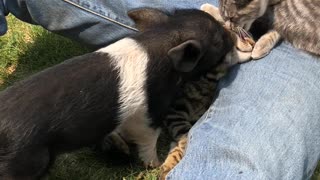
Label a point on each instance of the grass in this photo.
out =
(27, 49)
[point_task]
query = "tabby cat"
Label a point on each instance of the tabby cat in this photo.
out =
(296, 21)
(188, 107)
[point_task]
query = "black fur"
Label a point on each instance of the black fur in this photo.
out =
(186, 25)
(67, 106)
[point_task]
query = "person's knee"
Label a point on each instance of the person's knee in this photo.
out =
(266, 119)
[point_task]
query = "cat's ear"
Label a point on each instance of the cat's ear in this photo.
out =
(186, 55)
(147, 17)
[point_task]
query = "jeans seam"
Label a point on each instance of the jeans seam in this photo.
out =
(100, 15)
(210, 111)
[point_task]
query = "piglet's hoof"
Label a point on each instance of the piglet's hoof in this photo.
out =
(152, 164)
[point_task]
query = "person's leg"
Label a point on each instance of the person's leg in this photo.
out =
(263, 125)
(94, 22)
(3, 22)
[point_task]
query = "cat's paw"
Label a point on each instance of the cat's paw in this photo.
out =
(265, 44)
(260, 50)
(174, 157)
(243, 45)
(171, 161)
(164, 170)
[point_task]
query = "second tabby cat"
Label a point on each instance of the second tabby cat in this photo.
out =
(296, 21)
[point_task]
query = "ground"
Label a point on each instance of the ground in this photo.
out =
(27, 49)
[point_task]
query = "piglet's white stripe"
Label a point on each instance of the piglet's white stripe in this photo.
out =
(131, 61)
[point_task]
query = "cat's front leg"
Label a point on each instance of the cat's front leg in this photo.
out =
(174, 157)
(264, 44)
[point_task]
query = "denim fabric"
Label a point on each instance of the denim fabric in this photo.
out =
(263, 125)
(94, 22)
(3, 22)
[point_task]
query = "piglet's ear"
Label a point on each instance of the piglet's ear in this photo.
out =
(146, 17)
(186, 56)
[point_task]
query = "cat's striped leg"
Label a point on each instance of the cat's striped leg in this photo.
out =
(265, 43)
(174, 157)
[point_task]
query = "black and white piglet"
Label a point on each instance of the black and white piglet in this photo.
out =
(129, 83)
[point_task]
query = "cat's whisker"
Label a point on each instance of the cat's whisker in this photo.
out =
(246, 33)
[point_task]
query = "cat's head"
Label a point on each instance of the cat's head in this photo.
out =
(242, 12)
(192, 39)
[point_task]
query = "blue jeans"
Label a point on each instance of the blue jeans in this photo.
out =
(93, 22)
(263, 125)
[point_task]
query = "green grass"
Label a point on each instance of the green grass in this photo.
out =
(87, 164)
(27, 49)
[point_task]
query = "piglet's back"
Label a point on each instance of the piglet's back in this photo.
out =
(61, 99)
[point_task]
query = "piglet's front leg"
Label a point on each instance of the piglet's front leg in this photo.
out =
(136, 129)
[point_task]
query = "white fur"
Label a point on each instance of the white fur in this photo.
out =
(136, 130)
(131, 61)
